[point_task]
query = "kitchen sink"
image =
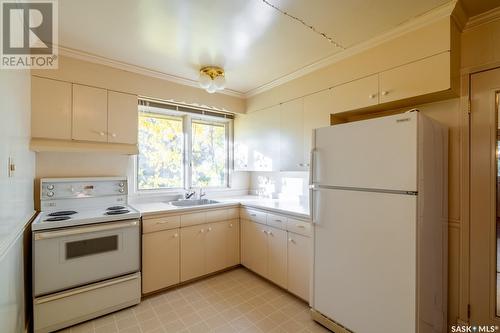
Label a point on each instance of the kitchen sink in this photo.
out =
(193, 202)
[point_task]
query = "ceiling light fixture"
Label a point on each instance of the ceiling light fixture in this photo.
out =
(212, 79)
(301, 21)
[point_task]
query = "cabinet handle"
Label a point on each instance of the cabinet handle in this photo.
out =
(372, 96)
(113, 135)
(162, 222)
(385, 93)
(300, 226)
(202, 231)
(301, 164)
(253, 215)
(209, 229)
(231, 225)
(176, 235)
(101, 133)
(278, 221)
(270, 233)
(264, 231)
(291, 240)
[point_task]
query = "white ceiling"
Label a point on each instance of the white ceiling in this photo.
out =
(254, 43)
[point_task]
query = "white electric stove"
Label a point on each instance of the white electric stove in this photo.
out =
(86, 251)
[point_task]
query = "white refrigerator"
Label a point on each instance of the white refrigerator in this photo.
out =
(379, 208)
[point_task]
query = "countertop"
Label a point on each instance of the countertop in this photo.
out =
(283, 206)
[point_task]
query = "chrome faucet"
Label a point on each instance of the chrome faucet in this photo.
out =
(202, 194)
(189, 194)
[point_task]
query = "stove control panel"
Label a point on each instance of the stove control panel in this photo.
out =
(79, 188)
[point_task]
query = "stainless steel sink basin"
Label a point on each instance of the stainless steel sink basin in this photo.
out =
(190, 202)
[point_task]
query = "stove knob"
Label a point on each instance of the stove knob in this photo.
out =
(121, 190)
(50, 187)
(50, 194)
(121, 184)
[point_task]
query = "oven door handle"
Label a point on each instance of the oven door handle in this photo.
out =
(84, 230)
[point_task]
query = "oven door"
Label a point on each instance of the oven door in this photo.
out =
(75, 256)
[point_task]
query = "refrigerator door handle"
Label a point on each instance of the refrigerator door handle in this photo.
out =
(312, 157)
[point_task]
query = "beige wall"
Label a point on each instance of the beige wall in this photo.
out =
(16, 194)
(481, 46)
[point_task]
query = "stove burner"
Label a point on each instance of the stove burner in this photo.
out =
(57, 218)
(117, 212)
(116, 208)
(62, 212)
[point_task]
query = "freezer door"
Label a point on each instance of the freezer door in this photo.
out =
(378, 153)
(365, 260)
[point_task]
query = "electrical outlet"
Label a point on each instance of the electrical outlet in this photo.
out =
(12, 167)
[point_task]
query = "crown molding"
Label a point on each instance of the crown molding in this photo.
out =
(404, 28)
(483, 18)
(81, 55)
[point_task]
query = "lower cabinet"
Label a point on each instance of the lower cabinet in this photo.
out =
(278, 255)
(193, 252)
(208, 248)
(299, 265)
(160, 259)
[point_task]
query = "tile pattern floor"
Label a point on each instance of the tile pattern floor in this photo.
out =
(234, 301)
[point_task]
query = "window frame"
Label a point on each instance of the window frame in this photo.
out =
(187, 119)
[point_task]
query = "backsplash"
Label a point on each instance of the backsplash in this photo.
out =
(283, 185)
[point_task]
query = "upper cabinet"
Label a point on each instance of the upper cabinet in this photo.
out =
(90, 113)
(50, 109)
(257, 140)
(356, 94)
(73, 117)
(122, 118)
(418, 78)
(291, 136)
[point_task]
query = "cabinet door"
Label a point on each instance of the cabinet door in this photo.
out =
(256, 247)
(277, 253)
(160, 260)
(244, 131)
(122, 118)
(292, 136)
(317, 110)
(50, 109)
(215, 246)
(299, 253)
(193, 252)
(417, 78)
(232, 243)
(245, 241)
(356, 94)
(90, 113)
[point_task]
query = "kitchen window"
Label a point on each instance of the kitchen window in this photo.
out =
(182, 148)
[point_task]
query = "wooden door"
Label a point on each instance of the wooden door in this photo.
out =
(292, 136)
(418, 78)
(90, 113)
(484, 180)
(232, 242)
(122, 118)
(215, 246)
(193, 260)
(277, 253)
(50, 109)
(160, 260)
(355, 95)
(298, 270)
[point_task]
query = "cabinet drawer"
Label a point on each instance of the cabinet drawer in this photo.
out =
(160, 223)
(216, 215)
(276, 221)
(233, 213)
(299, 227)
(253, 215)
(193, 219)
